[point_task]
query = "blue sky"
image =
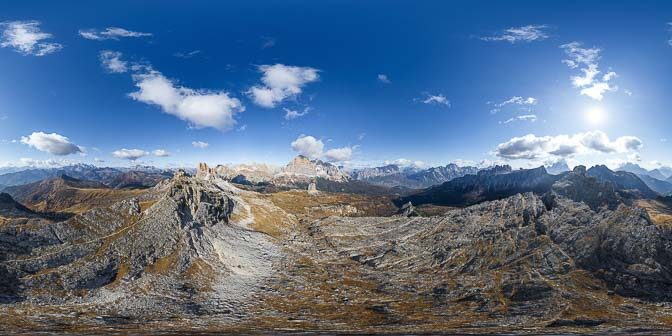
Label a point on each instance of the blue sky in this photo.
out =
(367, 82)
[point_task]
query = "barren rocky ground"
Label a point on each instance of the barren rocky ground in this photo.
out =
(199, 254)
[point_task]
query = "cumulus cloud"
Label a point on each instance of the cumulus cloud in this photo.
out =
(384, 79)
(161, 153)
(201, 108)
(435, 100)
(26, 38)
(129, 154)
(527, 33)
(200, 144)
(293, 114)
(109, 33)
(281, 82)
(307, 145)
(51, 143)
(533, 147)
(586, 61)
(112, 62)
(525, 117)
(338, 154)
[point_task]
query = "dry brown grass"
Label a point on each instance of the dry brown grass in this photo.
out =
(325, 204)
(660, 213)
(122, 270)
(166, 264)
(200, 275)
(76, 201)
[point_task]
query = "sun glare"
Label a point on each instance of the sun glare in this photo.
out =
(596, 115)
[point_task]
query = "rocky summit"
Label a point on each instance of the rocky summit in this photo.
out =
(203, 252)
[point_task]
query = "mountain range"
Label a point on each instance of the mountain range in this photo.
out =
(585, 250)
(501, 181)
(126, 177)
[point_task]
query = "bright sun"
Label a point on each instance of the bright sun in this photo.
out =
(596, 115)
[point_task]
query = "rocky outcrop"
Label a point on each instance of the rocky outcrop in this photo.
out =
(178, 241)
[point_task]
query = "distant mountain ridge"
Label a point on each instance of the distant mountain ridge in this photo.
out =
(558, 168)
(139, 176)
(658, 179)
(489, 184)
(67, 194)
(411, 177)
(502, 181)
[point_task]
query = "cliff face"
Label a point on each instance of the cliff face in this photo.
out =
(298, 173)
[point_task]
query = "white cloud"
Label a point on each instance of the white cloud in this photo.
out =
(281, 82)
(187, 54)
(515, 100)
(533, 147)
(384, 79)
(51, 143)
(527, 33)
(112, 62)
(200, 144)
(32, 163)
(110, 33)
(308, 146)
(663, 139)
(25, 37)
(435, 100)
(267, 42)
(402, 162)
(293, 114)
(129, 154)
(526, 117)
(361, 136)
(586, 60)
(669, 29)
(161, 153)
(338, 154)
(201, 108)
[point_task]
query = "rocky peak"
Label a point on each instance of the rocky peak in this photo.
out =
(200, 201)
(580, 170)
(580, 187)
(496, 170)
(558, 167)
(302, 165)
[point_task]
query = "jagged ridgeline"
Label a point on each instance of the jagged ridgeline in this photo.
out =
(271, 249)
